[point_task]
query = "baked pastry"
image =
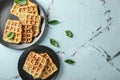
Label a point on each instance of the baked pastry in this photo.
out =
(30, 9)
(15, 27)
(50, 68)
(27, 34)
(32, 20)
(34, 64)
(15, 7)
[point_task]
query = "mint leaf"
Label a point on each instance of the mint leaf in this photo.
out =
(10, 35)
(54, 42)
(53, 22)
(69, 61)
(21, 2)
(69, 33)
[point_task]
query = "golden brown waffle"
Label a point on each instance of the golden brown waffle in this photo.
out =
(34, 65)
(13, 26)
(50, 68)
(36, 31)
(15, 8)
(30, 9)
(27, 19)
(36, 28)
(27, 34)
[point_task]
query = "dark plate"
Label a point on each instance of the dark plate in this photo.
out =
(38, 49)
(5, 6)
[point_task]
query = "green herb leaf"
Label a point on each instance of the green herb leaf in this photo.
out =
(10, 35)
(21, 2)
(54, 42)
(69, 61)
(69, 33)
(53, 22)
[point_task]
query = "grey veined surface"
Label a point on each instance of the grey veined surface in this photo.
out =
(95, 46)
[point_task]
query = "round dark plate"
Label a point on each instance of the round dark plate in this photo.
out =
(5, 6)
(38, 49)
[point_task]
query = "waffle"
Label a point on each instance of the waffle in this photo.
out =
(36, 28)
(27, 34)
(13, 26)
(34, 65)
(26, 19)
(36, 31)
(30, 9)
(15, 8)
(50, 68)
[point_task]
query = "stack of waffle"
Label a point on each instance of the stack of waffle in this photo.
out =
(40, 66)
(29, 19)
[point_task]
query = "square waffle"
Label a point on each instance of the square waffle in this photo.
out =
(13, 26)
(50, 68)
(34, 65)
(27, 34)
(15, 7)
(27, 19)
(30, 9)
(36, 31)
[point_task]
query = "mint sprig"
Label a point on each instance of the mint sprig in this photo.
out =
(21, 2)
(53, 22)
(69, 33)
(10, 35)
(69, 61)
(54, 42)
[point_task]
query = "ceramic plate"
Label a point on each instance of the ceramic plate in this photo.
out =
(5, 6)
(38, 49)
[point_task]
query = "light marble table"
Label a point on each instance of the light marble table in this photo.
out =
(95, 46)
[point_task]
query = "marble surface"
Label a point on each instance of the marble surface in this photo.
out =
(95, 46)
